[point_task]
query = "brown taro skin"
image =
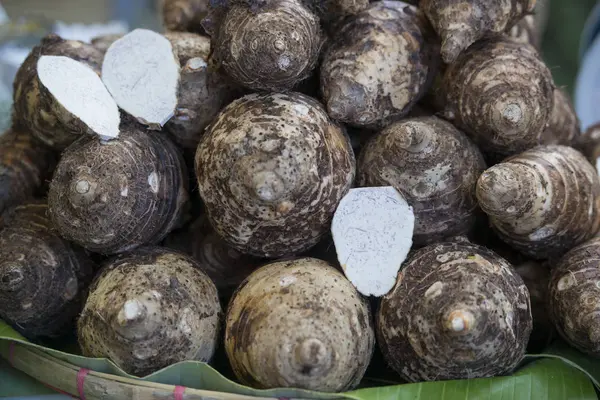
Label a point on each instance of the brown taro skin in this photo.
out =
(103, 42)
(35, 107)
(271, 171)
(564, 126)
(589, 144)
(574, 297)
(267, 46)
(203, 91)
(111, 197)
(542, 202)
(377, 66)
(525, 31)
(462, 23)
(458, 311)
(42, 276)
(184, 15)
(25, 165)
(299, 323)
(434, 166)
(149, 309)
(501, 93)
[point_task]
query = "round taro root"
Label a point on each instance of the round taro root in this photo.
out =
(149, 309)
(542, 202)
(270, 45)
(25, 164)
(462, 23)
(58, 94)
(271, 171)
(564, 126)
(42, 277)
(378, 66)
(299, 324)
(574, 297)
(458, 311)
(500, 93)
(434, 166)
(111, 197)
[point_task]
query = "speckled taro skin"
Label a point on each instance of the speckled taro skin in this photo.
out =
(42, 276)
(25, 164)
(378, 65)
(111, 197)
(270, 45)
(434, 166)
(301, 324)
(271, 170)
(542, 202)
(175, 316)
(36, 108)
(461, 23)
(589, 144)
(501, 93)
(525, 31)
(574, 297)
(564, 126)
(458, 311)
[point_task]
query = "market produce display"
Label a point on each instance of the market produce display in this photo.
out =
(300, 185)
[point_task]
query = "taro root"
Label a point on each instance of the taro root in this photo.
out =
(372, 229)
(462, 23)
(589, 145)
(574, 298)
(377, 66)
(458, 311)
(434, 166)
(542, 202)
(225, 266)
(525, 31)
(271, 45)
(103, 42)
(42, 277)
(501, 94)
(25, 164)
(203, 91)
(184, 15)
(113, 197)
(149, 309)
(334, 12)
(563, 127)
(299, 324)
(271, 171)
(58, 94)
(536, 276)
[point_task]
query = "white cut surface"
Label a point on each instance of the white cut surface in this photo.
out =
(142, 74)
(81, 92)
(372, 231)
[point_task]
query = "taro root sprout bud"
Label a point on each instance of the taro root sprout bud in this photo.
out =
(111, 197)
(299, 324)
(58, 93)
(377, 66)
(458, 311)
(42, 277)
(271, 171)
(149, 309)
(542, 202)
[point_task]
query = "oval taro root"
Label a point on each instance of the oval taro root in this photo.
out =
(149, 309)
(458, 311)
(462, 23)
(500, 93)
(434, 166)
(111, 197)
(378, 66)
(564, 126)
(542, 202)
(58, 93)
(299, 324)
(574, 297)
(42, 276)
(25, 164)
(271, 170)
(269, 45)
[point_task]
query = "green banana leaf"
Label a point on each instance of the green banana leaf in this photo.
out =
(561, 374)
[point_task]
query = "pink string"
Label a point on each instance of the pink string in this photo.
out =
(178, 392)
(81, 380)
(11, 353)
